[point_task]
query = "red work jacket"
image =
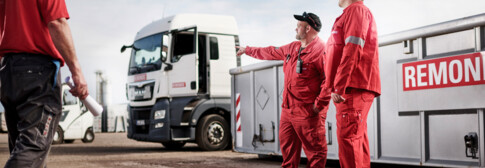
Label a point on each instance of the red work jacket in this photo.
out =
(23, 26)
(299, 88)
(352, 59)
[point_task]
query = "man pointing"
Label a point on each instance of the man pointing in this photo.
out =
(304, 104)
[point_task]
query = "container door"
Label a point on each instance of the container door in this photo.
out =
(266, 110)
(183, 77)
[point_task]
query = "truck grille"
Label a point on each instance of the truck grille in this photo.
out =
(141, 115)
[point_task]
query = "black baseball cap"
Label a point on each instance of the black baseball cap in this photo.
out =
(312, 20)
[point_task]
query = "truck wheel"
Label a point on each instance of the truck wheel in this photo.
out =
(58, 136)
(173, 144)
(88, 136)
(212, 133)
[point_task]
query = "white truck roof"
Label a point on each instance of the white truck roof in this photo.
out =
(206, 23)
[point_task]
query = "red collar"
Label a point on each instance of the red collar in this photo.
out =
(310, 46)
(353, 4)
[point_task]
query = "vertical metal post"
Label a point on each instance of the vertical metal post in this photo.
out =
(376, 129)
(276, 99)
(421, 47)
(481, 137)
(253, 107)
(233, 110)
(422, 127)
(421, 50)
(478, 40)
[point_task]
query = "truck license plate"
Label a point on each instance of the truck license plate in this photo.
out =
(140, 122)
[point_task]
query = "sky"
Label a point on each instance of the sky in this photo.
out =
(100, 28)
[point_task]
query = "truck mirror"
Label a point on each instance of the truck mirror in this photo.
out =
(130, 46)
(123, 48)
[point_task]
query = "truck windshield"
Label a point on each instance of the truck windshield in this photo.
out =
(146, 55)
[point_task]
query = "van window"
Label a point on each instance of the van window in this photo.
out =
(214, 48)
(183, 45)
(68, 98)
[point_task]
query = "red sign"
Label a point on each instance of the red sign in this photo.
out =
(462, 70)
(140, 77)
(178, 85)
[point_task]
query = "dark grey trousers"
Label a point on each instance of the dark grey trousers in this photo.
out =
(32, 107)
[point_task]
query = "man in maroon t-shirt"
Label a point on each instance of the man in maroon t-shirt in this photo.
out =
(35, 40)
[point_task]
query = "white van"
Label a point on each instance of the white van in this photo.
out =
(3, 124)
(76, 121)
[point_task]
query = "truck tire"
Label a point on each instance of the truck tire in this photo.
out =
(212, 133)
(172, 145)
(58, 136)
(88, 136)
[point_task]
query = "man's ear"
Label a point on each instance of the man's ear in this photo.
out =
(308, 28)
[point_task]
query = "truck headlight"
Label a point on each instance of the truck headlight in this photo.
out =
(159, 114)
(159, 125)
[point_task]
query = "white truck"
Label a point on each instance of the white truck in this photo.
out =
(76, 121)
(430, 113)
(178, 83)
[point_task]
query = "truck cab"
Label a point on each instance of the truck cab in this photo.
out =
(178, 81)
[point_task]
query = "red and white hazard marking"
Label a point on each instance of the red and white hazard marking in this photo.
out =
(238, 121)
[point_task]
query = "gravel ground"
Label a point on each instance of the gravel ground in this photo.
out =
(115, 150)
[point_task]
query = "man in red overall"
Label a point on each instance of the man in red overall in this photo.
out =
(35, 40)
(352, 71)
(304, 102)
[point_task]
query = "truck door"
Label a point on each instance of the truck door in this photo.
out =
(183, 78)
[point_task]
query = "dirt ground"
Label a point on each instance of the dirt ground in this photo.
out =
(115, 150)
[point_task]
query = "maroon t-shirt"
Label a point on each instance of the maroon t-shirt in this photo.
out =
(23, 26)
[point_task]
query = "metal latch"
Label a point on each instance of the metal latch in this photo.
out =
(260, 136)
(329, 132)
(471, 145)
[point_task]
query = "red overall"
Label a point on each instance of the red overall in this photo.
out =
(352, 71)
(300, 126)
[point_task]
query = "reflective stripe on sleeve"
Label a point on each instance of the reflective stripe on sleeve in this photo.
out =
(355, 40)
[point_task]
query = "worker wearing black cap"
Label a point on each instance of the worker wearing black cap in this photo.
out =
(304, 105)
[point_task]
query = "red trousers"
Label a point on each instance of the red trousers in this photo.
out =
(301, 127)
(352, 128)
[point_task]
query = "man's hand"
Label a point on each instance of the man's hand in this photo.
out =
(240, 51)
(81, 88)
(337, 98)
(315, 109)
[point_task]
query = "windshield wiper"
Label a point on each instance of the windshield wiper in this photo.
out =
(155, 66)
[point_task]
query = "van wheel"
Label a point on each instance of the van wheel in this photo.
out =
(173, 144)
(58, 136)
(88, 136)
(212, 133)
